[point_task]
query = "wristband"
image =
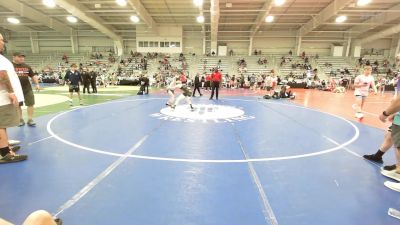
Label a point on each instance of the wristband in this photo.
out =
(385, 114)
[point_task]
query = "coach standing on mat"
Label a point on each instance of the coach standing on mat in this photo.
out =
(216, 77)
(197, 85)
(24, 71)
(10, 95)
(93, 77)
(86, 80)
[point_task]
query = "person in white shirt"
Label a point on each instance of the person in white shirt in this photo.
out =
(362, 83)
(171, 91)
(10, 96)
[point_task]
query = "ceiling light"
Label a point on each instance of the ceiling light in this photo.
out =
(269, 19)
(200, 19)
(341, 19)
(97, 5)
(363, 2)
(13, 20)
(49, 3)
(198, 2)
(279, 2)
(121, 2)
(72, 19)
(135, 19)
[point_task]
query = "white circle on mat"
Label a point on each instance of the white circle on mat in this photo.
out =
(338, 147)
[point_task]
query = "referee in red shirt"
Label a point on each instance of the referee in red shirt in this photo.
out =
(216, 80)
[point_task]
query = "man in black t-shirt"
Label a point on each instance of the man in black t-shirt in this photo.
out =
(93, 76)
(197, 85)
(86, 80)
(25, 72)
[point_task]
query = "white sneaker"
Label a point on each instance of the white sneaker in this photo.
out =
(14, 142)
(391, 174)
(392, 185)
(359, 115)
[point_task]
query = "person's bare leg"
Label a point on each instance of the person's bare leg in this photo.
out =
(30, 113)
(39, 217)
(70, 98)
(3, 138)
(4, 222)
(358, 105)
(362, 103)
(387, 142)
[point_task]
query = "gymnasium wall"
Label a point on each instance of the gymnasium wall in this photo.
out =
(274, 45)
(191, 42)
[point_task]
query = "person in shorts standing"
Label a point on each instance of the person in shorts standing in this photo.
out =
(10, 96)
(25, 72)
(362, 83)
(73, 79)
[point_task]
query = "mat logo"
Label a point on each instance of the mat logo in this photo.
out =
(203, 113)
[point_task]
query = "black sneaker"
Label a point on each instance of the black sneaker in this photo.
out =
(389, 167)
(58, 221)
(31, 123)
(373, 158)
(21, 123)
(15, 148)
(9, 158)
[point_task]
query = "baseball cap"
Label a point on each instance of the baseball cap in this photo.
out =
(19, 54)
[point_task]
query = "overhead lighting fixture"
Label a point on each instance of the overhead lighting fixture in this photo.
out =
(341, 19)
(363, 2)
(269, 19)
(135, 19)
(121, 2)
(97, 5)
(200, 19)
(49, 3)
(13, 20)
(279, 2)
(198, 2)
(72, 19)
(228, 5)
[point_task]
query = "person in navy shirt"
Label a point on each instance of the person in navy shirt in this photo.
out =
(73, 78)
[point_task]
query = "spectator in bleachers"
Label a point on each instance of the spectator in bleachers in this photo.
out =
(255, 52)
(290, 52)
(231, 52)
(65, 58)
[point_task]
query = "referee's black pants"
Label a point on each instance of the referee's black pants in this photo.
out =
(215, 87)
